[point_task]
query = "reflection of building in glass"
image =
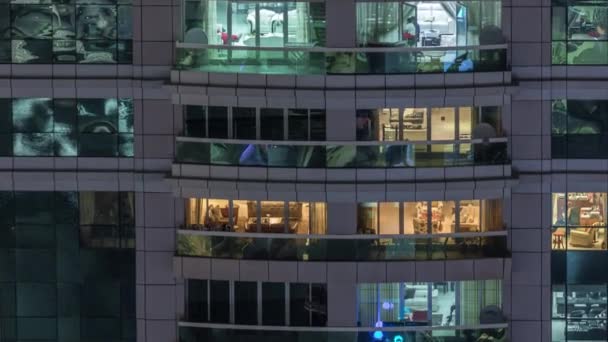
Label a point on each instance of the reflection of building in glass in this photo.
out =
(95, 32)
(69, 127)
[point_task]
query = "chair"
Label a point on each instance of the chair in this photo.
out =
(581, 237)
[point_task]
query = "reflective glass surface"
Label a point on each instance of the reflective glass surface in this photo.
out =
(579, 129)
(580, 32)
(578, 221)
(38, 31)
(67, 127)
(429, 23)
(306, 62)
(318, 249)
(454, 303)
(191, 334)
(59, 279)
(342, 156)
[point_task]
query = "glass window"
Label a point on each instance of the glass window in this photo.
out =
(34, 207)
(429, 23)
(317, 125)
(579, 32)
(245, 214)
(443, 124)
(197, 303)
(414, 125)
(389, 218)
(318, 305)
(218, 214)
(367, 218)
(271, 24)
(272, 217)
(99, 208)
(36, 300)
(586, 312)
(245, 302)
(271, 124)
(243, 123)
(297, 120)
(273, 304)
(416, 217)
(318, 218)
(195, 121)
(67, 33)
(470, 216)
(218, 122)
(68, 127)
(219, 301)
(298, 298)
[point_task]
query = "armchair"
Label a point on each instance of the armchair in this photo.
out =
(581, 237)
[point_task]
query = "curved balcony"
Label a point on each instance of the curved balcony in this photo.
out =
(334, 154)
(198, 332)
(340, 61)
(327, 248)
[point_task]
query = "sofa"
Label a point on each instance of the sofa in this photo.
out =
(416, 297)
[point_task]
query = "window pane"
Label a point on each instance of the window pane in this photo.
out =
(273, 304)
(367, 218)
(34, 207)
(318, 305)
(197, 304)
(243, 123)
(416, 218)
(99, 208)
(318, 218)
(317, 125)
(389, 218)
(443, 217)
(246, 299)
(443, 124)
(218, 122)
(272, 216)
(36, 300)
(220, 303)
(245, 215)
(298, 298)
(218, 214)
(195, 121)
(271, 122)
(298, 124)
(414, 124)
(33, 115)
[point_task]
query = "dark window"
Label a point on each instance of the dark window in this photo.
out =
(298, 298)
(197, 302)
(219, 301)
(318, 305)
(273, 304)
(195, 121)
(218, 122)
(271, 122)
(243, 123)
(297, 121)
(317, 125)
(245, 302)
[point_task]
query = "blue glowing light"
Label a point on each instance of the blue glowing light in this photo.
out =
(378, 335)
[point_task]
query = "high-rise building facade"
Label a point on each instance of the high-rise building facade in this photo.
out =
(306, 170)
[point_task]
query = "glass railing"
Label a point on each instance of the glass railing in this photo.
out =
(327, 61)
(295, 247)
(341, 154)
(201, 332)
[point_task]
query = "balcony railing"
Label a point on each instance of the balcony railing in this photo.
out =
(333, 154)
(295, 60)
(296, 247)
(204, 332)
